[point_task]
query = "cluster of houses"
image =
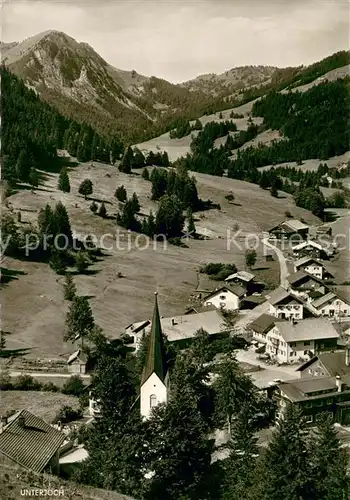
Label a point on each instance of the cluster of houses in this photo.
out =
(301, 325)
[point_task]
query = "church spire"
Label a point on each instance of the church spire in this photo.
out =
(155, 359)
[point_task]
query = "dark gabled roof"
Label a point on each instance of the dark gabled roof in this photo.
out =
(334, 362)
(263, 323)
(301, 276)
(33, 445)
(307, 388)
(281, 294)
(155, 359)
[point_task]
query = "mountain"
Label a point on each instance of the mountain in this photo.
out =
(78, 81)
(82, 85)
(232, 81)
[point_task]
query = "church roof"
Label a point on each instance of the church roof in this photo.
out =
(155, 359)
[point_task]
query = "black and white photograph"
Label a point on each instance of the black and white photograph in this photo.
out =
(175, 249)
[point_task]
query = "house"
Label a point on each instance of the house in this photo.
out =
(312, 248)
(327, 364)
(302, 283)
(245, 280)
(155, 376)
(184, 327)
(227, 297)
(316, 396)
(77, 362)
(139, 329)
(291, 341)
(314, 267)
(332, 305)
(261, 326)
(29, 442)
(290, 228)
(284, 304)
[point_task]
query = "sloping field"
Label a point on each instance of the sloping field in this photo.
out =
(42, 404)
(312, 164)
(33, 306)
(180, 147)
(331, 76)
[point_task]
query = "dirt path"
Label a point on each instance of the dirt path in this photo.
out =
(282, 260)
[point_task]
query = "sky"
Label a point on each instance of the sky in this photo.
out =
(178, 40)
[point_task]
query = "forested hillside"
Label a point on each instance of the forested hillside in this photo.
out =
(32, 131)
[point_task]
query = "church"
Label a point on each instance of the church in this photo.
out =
(155, 376)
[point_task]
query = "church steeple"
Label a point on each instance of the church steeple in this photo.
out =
(155, 359)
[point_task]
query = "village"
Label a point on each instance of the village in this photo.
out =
(294, 343)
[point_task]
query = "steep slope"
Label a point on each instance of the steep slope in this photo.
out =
(78, 81)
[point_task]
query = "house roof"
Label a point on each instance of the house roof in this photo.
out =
(302, 390)
(321, 301)
(333, 362)
(136, 327)
(263, 323)
(295, 224)
(33, 445)
(306, 260)
(155, 358)
(307, 329)
(199, 309)
(241, 275)
(302, 276)
(291, 225)
(77, 355)
(280, 294)
(184, 327)
(310, 243)
(235, 289)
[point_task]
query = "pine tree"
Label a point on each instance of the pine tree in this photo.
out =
(127, 160)
(179, 451)
(63, 181)
(239, 467)
(69, 288)
(102, 211)
(250, 258)
(86, 188)
(119, 463)
(191, 228)
(287, 461)
(145, 174)
(169, 217)
(2, 341)
(33, 178)
(135, 203)
(57, 262)
(79, 319)
(121, 194)
(62, 226)
(329, 463)
(232, 389)
(81, 261)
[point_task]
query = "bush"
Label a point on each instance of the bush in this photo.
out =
(26, 383)
(50, 387)
(93, 207)
(67, 414)
(74, 386)
(5, 380)
(229, 197)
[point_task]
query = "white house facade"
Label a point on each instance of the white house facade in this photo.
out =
(225, 298)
